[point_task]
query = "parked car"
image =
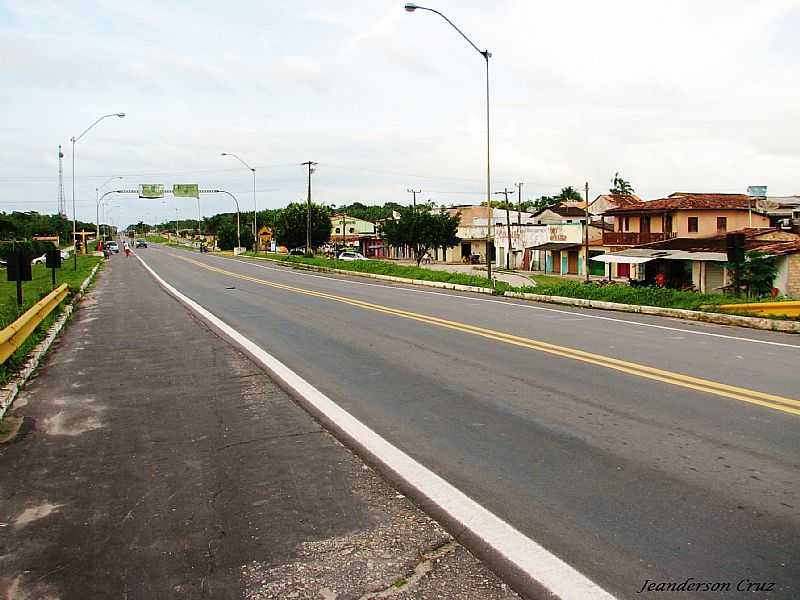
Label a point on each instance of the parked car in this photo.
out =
(113, 246)
(40, 260)
(297, 252)
(349, 256)
(141, 244)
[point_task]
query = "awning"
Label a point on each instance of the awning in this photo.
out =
(641, 255)
(555, 246)
(620, 258)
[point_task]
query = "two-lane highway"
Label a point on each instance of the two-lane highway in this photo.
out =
(635, 448)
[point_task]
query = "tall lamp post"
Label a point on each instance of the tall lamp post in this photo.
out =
(310, 164)
(74, 141)
(410, 7)
(255, 210)
(98, 199)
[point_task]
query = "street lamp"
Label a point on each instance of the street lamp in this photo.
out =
(238, 234)
(97, 201)
(310, 164)
(75, 140)
(255, 212)
(410, 7)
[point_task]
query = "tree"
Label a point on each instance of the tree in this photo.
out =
(621, 187)
(756, 273)
(569, 194)
(543, 202)
(289, 226)
(422, 230)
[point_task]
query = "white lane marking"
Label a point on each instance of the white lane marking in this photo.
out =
(518, 305)
(539, 564)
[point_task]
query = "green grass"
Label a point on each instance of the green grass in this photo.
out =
(157, 239)
(382, 267)
(646, 296)
(32, 292)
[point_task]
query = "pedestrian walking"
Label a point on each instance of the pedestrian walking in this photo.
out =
(127, 248)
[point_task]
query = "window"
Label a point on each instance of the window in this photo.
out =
(352, 230)
(722, 223)
(692, 224)
(338, 230)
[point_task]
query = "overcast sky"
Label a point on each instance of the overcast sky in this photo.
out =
(676, 95)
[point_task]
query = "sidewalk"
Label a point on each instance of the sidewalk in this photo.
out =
(156, 461)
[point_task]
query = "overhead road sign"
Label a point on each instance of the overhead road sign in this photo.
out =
(151, 190)
(185, 190)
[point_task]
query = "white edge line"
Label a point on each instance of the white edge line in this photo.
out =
(517, 304)
(540, 565)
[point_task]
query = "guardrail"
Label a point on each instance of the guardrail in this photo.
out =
(789, 309)
(13, 336)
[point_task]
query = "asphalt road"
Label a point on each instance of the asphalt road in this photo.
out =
(625, 473)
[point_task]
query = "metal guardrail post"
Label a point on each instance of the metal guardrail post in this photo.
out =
(13, 336)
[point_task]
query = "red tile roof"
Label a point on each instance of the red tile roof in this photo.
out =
(564, 210)
(623, 199)
(689, 201)
(780, 248)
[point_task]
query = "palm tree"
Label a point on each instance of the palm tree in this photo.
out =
(569, 194)
(621, 186)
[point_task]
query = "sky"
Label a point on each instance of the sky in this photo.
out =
(676, 95)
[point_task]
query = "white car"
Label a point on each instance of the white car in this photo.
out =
(40, 260)
(352, 256)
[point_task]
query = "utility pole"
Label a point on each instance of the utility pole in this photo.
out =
(414, 193)
(519, 203)
(505, 193)
(586, 237)
(310, 164)
(62, 203)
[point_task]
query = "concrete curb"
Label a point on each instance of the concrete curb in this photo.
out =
(675, 313)
(435, 284)
(10, 391)
(521, 562)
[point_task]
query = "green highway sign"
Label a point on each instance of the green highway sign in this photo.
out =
(151, 190)
(185, 190)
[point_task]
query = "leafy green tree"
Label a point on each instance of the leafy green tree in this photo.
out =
(422, 230)
(620, 186)
(756, 273)
(290, 225)
(569, 194)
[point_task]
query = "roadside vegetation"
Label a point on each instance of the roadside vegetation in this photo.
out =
(545, 285)
(625, 294)
(382, 267)
(33, 291)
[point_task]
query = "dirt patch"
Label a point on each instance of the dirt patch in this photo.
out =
(405, 555)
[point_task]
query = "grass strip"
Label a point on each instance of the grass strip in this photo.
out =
(32, 292)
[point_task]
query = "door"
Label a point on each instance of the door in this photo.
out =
(715, 277)
(556, 261)
(623, 270)
(572, 262)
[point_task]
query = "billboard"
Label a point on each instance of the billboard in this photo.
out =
(185, 190)
(151, 190)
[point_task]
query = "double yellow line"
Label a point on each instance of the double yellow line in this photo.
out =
(786, 405)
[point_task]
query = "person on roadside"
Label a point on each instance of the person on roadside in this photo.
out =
(126, 247)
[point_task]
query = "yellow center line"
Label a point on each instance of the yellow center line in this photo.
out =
(787, 405)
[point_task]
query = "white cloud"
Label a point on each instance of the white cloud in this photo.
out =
(677, 95)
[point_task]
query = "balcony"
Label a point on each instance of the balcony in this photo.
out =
(630, 238)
